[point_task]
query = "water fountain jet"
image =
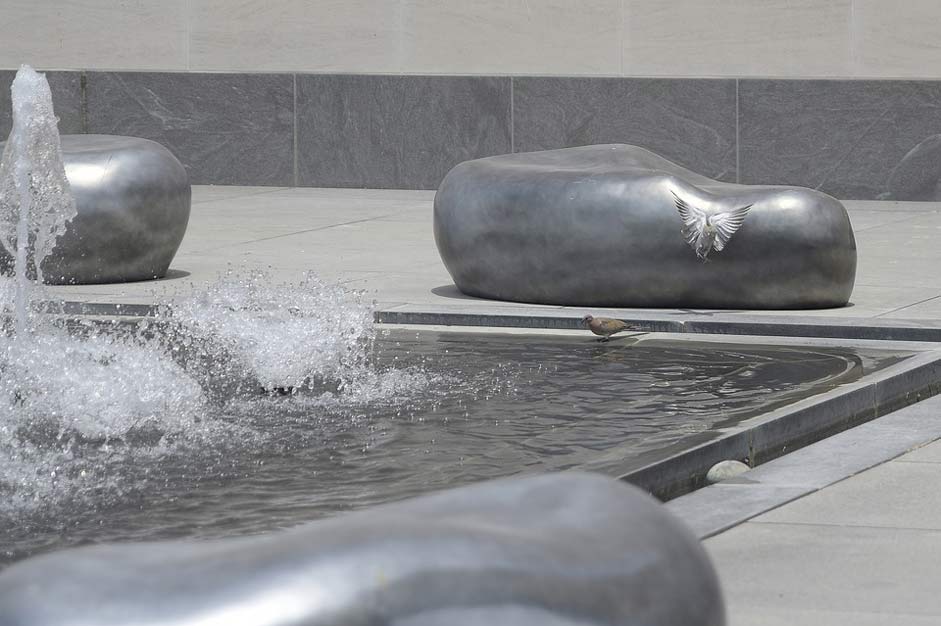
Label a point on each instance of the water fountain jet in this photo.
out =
(35, 198)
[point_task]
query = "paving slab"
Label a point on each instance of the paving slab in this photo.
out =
(779, 616)
(342, 234)
(828, 568)
(892, 495)
(860, 545)
(930, 453)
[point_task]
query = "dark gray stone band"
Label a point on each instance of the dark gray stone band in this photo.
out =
(861, 139)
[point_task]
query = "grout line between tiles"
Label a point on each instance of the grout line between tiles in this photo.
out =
(907, 306)
(756, 520)
(512, 116)
(296, 181)
(738, 140)
(83, 100)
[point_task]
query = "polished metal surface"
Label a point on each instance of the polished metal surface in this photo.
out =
(599, 226)
(553, 549)
(133, 202)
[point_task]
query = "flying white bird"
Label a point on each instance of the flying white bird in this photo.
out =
(707, 231)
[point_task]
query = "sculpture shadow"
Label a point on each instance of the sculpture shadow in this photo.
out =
(174, 274)
(451, 291)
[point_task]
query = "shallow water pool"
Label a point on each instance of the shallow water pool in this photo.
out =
(438, 410)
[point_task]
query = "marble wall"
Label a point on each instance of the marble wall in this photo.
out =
(838, 95)
(664, 38)
(855, 139)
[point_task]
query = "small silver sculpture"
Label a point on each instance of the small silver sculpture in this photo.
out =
(707, 231)
(132, 205)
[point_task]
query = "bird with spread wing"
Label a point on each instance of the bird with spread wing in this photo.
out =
(707, 231)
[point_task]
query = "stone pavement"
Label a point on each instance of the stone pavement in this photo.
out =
(846, 538)
(864, 550)
(381, 241)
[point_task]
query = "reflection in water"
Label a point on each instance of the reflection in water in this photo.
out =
(437, 410)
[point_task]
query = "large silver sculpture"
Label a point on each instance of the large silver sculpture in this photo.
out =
(706, 231)
(132, 199)
(616, 225)
(552, 550)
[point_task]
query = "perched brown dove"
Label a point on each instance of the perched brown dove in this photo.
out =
(605, 326)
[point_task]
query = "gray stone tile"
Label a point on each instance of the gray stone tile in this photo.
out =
(718, 507)
(66, 90)
(891, 495)
(869, 220)
(829, 568)
(929, 311)
(906, 268)
(224, 128)
(837, 457)
(930, 453)
(6, 108)
(385, 196)
(689, 121)
(744, 615)
(67, 100)
(217, 193)
(890, 205)
(849, 138)
(401, 132)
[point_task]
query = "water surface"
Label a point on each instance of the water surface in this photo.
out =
(431, 410)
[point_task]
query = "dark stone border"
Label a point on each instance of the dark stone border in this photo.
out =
(854, 139)
(820, 328)
(775, 434)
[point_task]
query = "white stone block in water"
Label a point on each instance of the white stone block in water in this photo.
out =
(724, 470)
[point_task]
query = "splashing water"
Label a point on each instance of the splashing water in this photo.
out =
(81, 415)
(36, 202)
(283, 339)
(89, 417)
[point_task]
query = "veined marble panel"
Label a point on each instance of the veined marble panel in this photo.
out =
(295, 35)
(737, 38)
(851, 139)
(99, 34)
(224, 128)
(688, 121)
(396, 131)
(511, 36)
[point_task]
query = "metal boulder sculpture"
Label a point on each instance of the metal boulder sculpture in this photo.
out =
(617, 225)
(561, 549)
(132, 199)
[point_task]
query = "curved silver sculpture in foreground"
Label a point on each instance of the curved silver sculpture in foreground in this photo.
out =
(600, 226)
(133, 202)
(551, 550)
